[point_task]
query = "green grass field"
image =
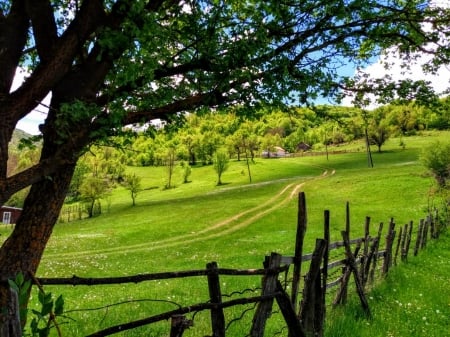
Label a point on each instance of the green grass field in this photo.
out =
(236, 225)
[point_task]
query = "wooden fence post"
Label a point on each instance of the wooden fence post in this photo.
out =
(264, 308)
(425, 233)
(300, 236)
(311, 313)
(388, 251)
(407, 242)
(293, 323)
(399, 240)
(352, 263)
(326, 254)
(217, 316)
(365, 257)
(419, 237)
(341, 296)
(375, 254)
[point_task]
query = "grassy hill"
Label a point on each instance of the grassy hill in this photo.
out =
(235, 224)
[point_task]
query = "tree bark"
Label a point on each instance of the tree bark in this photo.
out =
(23, 249)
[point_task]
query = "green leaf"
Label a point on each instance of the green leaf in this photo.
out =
(13, 285)
(59, 305)
(47, 308)
(44, 332)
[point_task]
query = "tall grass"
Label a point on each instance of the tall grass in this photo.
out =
(412, 301)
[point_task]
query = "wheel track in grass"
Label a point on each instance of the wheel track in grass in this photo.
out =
(224, 227)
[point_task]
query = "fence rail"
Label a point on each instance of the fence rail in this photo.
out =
(359, 256)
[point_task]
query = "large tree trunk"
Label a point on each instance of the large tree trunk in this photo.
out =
(23, 249)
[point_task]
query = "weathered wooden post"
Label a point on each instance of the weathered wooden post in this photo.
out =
(341, 296)
(352, 263)
(217, 316)
(388, 251)
(399, 240)
(264, 308)
(293, 323)
(425, 233)
(300, 236)
(311, 312)
(365, 257)
(407, 242)
(419, 237)
(326, 254)
(375, 254)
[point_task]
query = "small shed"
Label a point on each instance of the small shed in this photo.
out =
(9, 215)
(276, 153)
(303, 147)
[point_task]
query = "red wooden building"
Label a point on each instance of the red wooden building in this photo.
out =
(9, 215)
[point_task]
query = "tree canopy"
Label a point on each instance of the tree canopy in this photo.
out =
(117, 62)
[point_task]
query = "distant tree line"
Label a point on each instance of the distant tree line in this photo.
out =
(206, 139)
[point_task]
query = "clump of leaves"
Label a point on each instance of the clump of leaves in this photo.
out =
(43, 320)
(436, 159)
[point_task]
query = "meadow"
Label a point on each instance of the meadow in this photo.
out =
(236, 225)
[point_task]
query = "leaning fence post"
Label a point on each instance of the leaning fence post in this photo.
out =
(341, 296)
(264, 308)
(217, 316)
(293, 323)
(352, 263)
(300, 236)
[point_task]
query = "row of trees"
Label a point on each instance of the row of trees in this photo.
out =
(213, 137)
(198, 139)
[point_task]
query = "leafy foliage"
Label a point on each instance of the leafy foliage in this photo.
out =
(436, 157)
(44, 319)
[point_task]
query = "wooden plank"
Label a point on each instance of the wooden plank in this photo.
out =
(289, 314)
(311, 306)
(298, 253)
(215, 296)
(419, 237)
(353, 267)
(376, 254)
(388, 250)
(264, 308)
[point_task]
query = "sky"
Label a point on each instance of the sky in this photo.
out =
(30, 123)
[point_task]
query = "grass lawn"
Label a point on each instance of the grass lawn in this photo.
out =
(414, 300)
(235, 224)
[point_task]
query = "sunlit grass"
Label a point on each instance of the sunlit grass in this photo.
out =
(178, 228)
(413, 301)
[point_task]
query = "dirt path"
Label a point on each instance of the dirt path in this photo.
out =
(226, 226)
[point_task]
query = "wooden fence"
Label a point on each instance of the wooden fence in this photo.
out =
(361, 257)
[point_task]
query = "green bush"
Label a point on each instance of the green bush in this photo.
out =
(436, 158)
